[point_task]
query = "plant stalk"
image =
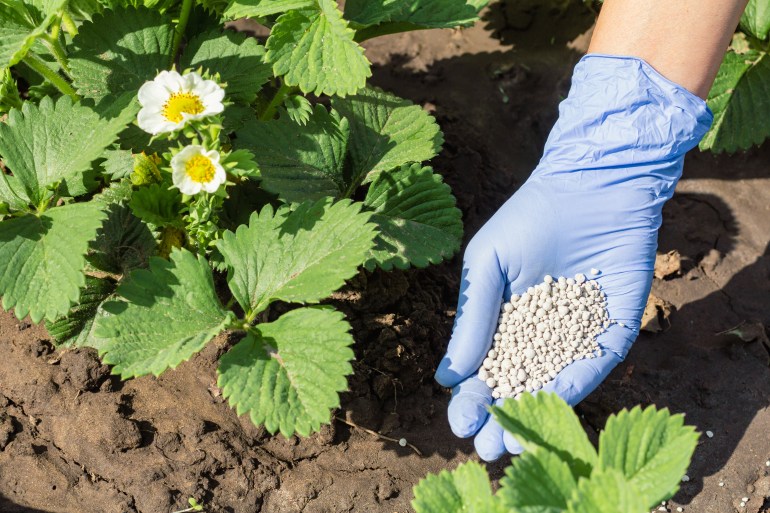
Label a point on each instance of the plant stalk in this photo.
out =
(184, 17)
(383, 29)
(37, 64)
(69, 23)
(59, 54)
(278, 98)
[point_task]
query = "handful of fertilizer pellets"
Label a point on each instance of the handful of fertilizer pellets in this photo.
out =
(542, 331)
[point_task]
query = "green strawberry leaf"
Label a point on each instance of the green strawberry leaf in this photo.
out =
(238, 59)
(416, 214)
(465, 489)
(738, 100)
(545, 420)
(21, 23)
(300, 162)
(9, 92)
(259, 8)
(651, 448)
(314, 50)
(386, 132)
(287, 373)
(298, 108)
(55, 142)
(606, 492)
(240, 163)
(119, 50)
(405, 15)
(117, 163)
(123, 243)
(298, 256)
(538, 481)
(756, 18)
(170, 312)
(76, 328)
(42, 258)
(158, 205)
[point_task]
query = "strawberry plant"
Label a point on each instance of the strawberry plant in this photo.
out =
(164, 180)
(642, 456)
(739, 95)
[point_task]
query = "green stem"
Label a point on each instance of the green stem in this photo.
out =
(384, 29)
(37, 64)
(69, 24)
(280, 95)
(56, 28)
(59, 54)
(184, 16)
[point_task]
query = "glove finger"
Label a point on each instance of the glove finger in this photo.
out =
(580, 378)
(468, 408)
(478, 309)
(511, 445)
(489, 441)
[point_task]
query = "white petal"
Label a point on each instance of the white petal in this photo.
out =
(188, 152)
(178, 175)
(153, 122)
(171, 80)
(188, 186)
(152, 93)
(211, 108)
(219, 178)
(213, 156)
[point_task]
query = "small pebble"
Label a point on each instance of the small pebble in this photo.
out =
(680, 509)
(594, 271)
(721, 483)
(767, 463)
(685, 478)
(402, 442)
(745, 499)
(710, 434)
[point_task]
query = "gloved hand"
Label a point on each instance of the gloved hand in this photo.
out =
(594, 201)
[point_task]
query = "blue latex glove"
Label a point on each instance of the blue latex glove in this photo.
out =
(594, 201)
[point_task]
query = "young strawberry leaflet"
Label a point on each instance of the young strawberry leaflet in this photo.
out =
(170, 312)
(386, 132)
(537, 480)
(119, 50)
(301, 162)
(416, 214)
(42, 259)
(297, 256)
(55, 142)
(314, 50)
(737, 98)
(287, 374)
(756, 19)
(464, 489)
(651, 448)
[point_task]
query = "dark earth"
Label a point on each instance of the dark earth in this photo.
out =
(74, 439)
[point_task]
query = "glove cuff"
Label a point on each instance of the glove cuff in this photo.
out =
(624, 121)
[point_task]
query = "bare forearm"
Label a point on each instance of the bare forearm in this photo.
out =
(684, 40)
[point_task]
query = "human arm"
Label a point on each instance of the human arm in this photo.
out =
(595, 200)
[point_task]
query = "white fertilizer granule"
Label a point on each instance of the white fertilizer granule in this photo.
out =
(542, 331)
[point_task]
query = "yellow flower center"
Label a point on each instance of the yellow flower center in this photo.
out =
(200, 169)
(182, 103)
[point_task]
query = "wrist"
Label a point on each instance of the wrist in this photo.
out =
(623, 121)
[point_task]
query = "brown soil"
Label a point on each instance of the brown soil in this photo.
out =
(73, 439)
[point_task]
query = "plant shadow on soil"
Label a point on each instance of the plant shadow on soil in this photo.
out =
(147, 444)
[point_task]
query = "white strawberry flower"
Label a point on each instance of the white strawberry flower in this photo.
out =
(171, 100)
(194, 170)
